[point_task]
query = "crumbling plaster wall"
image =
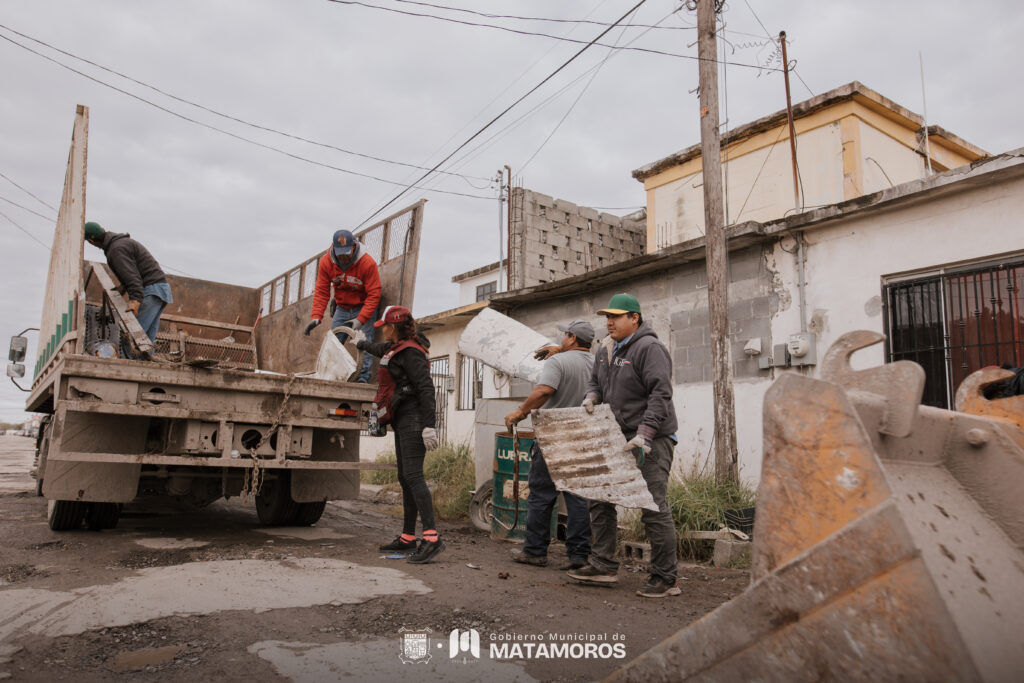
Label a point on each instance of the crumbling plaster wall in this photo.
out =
(674, 302)
(554, 239)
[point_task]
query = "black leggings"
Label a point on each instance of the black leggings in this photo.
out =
(410, 452)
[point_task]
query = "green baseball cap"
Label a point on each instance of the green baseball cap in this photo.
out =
(621, 303)
(93, 231)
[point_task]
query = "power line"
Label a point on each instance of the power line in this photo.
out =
(548, 19)
(15, 224)
(359, 3)
(503, 112)
(222, 115)
(27, 192)
(25, 208)
(772, 38)
(234, 135)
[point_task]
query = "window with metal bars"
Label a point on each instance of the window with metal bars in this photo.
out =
(955, 323)
(439, 375)
(471, 382)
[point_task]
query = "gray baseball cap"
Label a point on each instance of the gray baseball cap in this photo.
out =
(581, 329)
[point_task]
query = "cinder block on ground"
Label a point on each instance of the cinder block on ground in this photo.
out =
(637, 552)
(732, 553)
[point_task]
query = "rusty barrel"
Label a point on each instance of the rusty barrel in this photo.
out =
(503, 504)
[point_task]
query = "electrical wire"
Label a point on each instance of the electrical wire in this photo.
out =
(25, 208)
(19, 227)
(502, 113)
(27, 192)
(572, 106)
(227, 116)
(782, 129)
(359, 3)
(772, 38)
(233, 135)
(559, 21)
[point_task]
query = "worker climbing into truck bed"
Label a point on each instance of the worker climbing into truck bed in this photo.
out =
(405, 400)
(356, 280)
(139, 273)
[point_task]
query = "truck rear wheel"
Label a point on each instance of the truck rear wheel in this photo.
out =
(308, 514)
(42, 447)
(65, 515)
(102, 516)
(274, 504)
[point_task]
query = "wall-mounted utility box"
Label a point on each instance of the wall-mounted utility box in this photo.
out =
(803, 349)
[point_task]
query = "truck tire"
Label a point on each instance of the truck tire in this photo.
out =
(480, 506)
(102, 516)
(308, 514)
(65, 515)
(274, 504)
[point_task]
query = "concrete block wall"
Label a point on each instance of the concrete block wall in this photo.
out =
(554, 239)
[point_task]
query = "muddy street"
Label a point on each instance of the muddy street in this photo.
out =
(176, 593)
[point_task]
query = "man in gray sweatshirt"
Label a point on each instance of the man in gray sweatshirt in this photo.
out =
(633, 375)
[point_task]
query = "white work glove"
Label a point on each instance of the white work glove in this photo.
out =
(644, 437)
(430, 438)
(354, 324)
(589, 402)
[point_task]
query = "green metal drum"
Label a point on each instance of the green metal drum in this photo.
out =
(503, 509)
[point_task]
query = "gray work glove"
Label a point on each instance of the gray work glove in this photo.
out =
(430, 438)
(354, 324)
(311, 326)
(589, 402)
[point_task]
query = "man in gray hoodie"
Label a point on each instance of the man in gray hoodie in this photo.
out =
(633, 375)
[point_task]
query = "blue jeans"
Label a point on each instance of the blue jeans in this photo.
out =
(541, 505)
(343, 315)
(154, 298)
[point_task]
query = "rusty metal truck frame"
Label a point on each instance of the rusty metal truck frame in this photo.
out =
(195, 421)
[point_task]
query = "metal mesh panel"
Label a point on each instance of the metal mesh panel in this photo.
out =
(265, 301)
(373, 241)
(278, 293)
(400, 227)
(309, 278)
(226, 354)
(293, 286)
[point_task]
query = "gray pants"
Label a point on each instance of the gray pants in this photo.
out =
(660, 528)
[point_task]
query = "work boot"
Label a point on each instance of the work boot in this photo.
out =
(399, 544)
(523, 558)
(593, 575)
(426, 552)
(571, 564)
(659, 587)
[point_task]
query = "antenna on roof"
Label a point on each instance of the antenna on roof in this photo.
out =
(924, 100)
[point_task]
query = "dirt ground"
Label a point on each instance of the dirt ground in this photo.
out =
(129, 603)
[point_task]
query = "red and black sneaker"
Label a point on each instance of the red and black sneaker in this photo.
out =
(400, 544)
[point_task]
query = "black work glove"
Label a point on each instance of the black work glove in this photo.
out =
(311, 326)
(361, 344)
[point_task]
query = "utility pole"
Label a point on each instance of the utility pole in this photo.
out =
(499, 178)
(715, 244)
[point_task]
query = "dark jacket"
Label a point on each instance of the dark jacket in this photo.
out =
(132, 263)
(636, 382)
(411, 372)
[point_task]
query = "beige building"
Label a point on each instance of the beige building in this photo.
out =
(850, 142)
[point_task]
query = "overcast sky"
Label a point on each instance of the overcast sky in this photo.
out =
(411, 89)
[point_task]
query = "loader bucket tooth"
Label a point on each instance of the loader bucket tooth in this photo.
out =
(875, 557)
(900, 383)
(970, 399)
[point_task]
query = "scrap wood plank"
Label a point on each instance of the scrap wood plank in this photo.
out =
(586, 455)
(138, 336)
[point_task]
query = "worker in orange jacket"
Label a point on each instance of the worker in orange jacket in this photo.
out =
(353, 273)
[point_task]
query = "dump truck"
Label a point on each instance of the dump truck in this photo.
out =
(888, 538)
(222, 403)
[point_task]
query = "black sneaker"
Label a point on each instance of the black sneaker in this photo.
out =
(399, 544)
(591, 574)
(426, 552)
(536, 560)
(658, 587)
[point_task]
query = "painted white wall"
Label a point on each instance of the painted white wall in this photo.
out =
(467, 287)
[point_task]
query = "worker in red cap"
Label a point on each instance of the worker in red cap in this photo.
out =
(405, 400)
(356, 280)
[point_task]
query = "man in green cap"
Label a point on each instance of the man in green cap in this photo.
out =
(633, 375)
(139, 273)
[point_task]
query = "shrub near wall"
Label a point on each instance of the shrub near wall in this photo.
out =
(450, 472)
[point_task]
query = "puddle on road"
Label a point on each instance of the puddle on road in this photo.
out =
(170, 543)
(138, 659)
(380, 660)
(306, 533)
(198, 588)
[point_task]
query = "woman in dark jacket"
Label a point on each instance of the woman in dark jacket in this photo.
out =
(405, 400)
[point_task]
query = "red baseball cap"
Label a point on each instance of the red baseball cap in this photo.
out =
(394, 314)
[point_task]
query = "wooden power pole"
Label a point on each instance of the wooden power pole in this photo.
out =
(717, 249)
